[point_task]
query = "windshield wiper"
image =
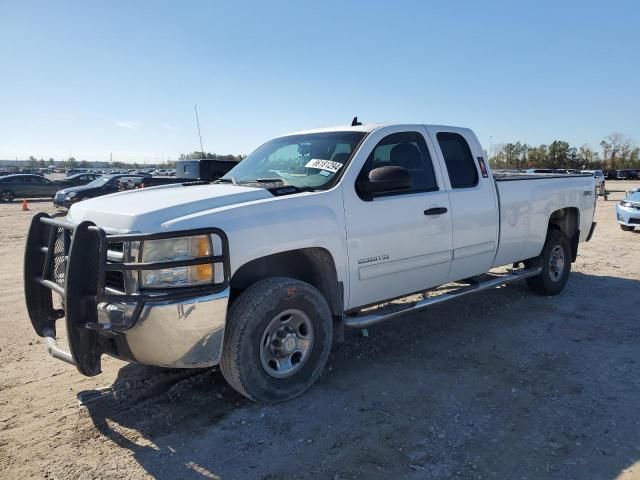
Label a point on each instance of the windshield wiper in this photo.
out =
(227, 180)
(267, 180)
(288, 189)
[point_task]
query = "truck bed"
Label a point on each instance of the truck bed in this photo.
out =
(525, 209)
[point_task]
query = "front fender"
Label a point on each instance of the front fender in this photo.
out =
(269, 226)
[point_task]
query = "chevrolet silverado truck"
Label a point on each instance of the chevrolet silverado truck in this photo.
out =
(261, 271)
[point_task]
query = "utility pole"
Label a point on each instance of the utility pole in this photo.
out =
(199, 134)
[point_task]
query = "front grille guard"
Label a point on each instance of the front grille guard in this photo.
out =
(54, 246)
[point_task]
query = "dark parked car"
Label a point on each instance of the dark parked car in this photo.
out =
(632, 174)
(27, 186)
(208, 169)
(81, 179)
(104, 185)
(74, 171)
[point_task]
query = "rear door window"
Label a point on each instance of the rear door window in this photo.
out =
(458, 159)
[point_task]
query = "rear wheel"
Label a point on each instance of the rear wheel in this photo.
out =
(626, 228)
(278, 338)
(555, 261)
(7, 196)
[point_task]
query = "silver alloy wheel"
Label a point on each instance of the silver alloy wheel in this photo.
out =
(556, 263)
(286, 343)
(7, 196)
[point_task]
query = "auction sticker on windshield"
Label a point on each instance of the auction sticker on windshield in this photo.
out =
(328, 165)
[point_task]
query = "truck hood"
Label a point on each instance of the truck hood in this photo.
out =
(145, 210)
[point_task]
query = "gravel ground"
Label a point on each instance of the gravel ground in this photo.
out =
(504, 384)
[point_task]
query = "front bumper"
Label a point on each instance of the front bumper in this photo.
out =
(180, 327)
(629, 216)
(64, 202)
(176, 333)
(60, 201)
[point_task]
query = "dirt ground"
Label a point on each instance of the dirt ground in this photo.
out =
(504, 385)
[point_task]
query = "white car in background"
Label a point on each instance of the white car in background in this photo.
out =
(628, 211)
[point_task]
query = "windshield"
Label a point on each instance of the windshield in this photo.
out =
(100, 181)
(304, 161)
(633, 197)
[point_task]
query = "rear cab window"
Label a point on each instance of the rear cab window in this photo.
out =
(457, 156)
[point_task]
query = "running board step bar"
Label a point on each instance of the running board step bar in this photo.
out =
(367, 319)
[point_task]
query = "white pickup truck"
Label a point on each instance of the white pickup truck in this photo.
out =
(261, 271)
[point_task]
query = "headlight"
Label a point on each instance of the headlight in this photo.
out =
(71, 194)
(179, 248)
(624, 203)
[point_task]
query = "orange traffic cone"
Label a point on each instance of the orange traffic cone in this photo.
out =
(25, 207)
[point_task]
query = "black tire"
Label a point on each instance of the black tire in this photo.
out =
(627, 228)
(7, 196)
(248, 341)
(553, 277)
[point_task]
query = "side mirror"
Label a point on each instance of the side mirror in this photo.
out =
(385, 179)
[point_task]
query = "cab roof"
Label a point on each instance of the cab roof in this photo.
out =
(367, 128)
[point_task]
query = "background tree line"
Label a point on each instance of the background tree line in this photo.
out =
(210, 156)
(617, 152)
(71, 162)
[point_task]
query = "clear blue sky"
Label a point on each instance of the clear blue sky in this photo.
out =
(122, 76)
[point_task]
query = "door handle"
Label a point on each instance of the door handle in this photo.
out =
(436, 211)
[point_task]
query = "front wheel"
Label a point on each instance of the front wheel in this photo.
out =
(7, 196)
(278, 338)
(626, 228)
(555, 261)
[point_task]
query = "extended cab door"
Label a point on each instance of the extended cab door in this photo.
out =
(474, 203)
(398, 242)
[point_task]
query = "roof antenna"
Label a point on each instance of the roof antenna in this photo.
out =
(355, 122)
(199, 134)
